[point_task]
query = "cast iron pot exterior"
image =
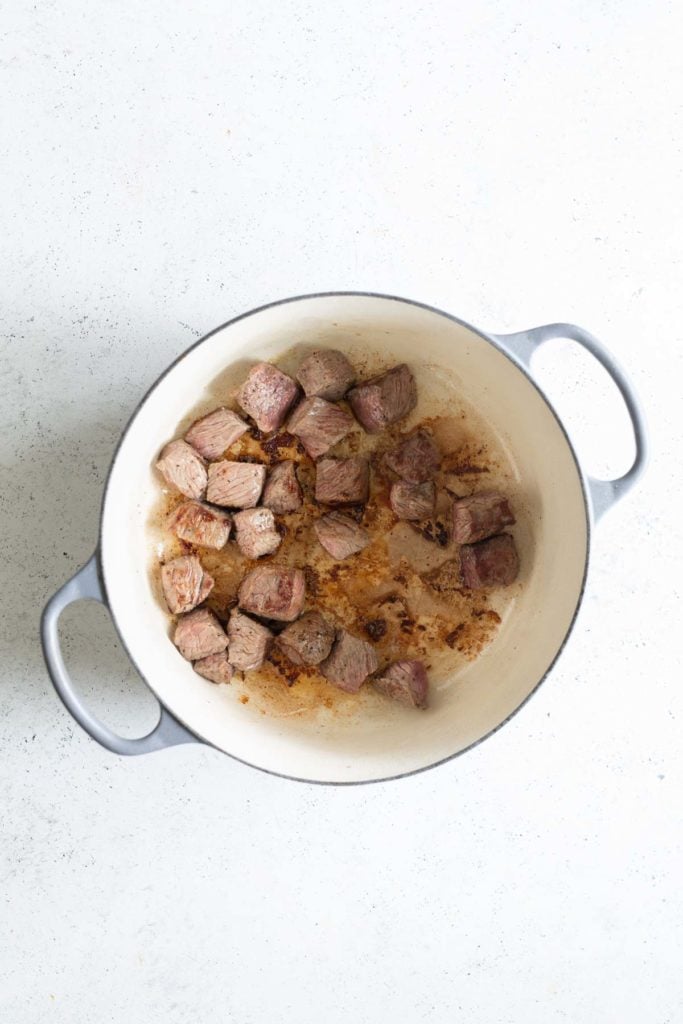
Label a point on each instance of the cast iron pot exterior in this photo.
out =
(394, 318)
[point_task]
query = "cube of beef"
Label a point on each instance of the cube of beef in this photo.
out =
(340, 535)
(200, 524)
(385, 399)
(215, 432)
(255, 532)
(351, 662)
(216, 668)
(282, 492)
(307, 641)
(249, 642)
(489, 563)
(183, 468)
(342, 481)
(273, 592)
(320, 425)
(406, 682)
(412, 501)
(235, 484)
(199, 634)
(267, 395)
(185, 583)
(416, 459)
(326, 373)
(479, 516)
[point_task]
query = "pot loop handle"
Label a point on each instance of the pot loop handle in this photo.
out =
(86, 584)
(522, 345)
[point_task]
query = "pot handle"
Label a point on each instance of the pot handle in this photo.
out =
(522, 345)
(86, 584)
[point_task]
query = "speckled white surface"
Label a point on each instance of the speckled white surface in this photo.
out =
(167, 166)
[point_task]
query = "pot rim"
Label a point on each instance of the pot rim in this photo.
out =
(492, 340)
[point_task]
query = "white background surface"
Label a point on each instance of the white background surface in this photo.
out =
(166, 166)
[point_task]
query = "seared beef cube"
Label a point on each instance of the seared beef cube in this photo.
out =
(307, 641)
(326, 373)
(351, 662)
(479, 516)
(340, 535)
(183, 468)
(282, 492)
(216, 668)
(212, 434)
(185, 583)
(249, 642)
(201, 525)
(406, 682)
(255, 532)
(199, 634)
(342, 481)
(267, 395)
(273, 592)
(489, 563)
(412, 501)
(416, 459)
(235, 484)
(384, 400)
(320, 425)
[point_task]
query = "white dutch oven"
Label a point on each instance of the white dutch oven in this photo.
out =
(494, 371)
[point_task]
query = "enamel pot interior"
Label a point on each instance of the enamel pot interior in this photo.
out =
(390, 741)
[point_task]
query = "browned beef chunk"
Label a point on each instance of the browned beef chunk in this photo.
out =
(235, 484)
(216, 668)
(479, 516)
(416, 459)
(406, 682)
(255, 532)
(307, 641)
(326, 373)
(273, 592)
(385, 399)
(340, 535)
(351, 662)
(213, 433)
(249, 642)
(185, 583)
(199, 634)
(183, 468)
(200, 524)
(320, 425)
(342, 481)
(282, 492)
(412, 501)
(489, 563)
(267, 395)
